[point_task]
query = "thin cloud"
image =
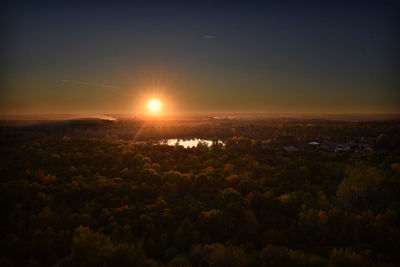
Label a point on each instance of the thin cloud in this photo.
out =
(90, 84)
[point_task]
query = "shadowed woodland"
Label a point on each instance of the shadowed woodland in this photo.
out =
(70, 197)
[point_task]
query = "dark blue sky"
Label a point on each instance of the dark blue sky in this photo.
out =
(109, 57)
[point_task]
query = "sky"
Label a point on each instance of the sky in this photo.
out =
(281, 56)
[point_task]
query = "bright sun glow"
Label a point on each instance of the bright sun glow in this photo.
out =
(154, 105)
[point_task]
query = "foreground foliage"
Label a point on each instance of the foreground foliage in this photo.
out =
(91, 202)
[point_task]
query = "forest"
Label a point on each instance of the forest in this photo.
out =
(107, 193)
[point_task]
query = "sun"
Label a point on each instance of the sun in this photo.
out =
(154, 105)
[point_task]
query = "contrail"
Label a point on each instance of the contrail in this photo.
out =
(91, 84)
(121, 90)
(208, 36)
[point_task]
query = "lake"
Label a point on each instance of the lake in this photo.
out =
(187, 143)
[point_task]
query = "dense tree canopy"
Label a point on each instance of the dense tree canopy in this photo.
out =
(78, 201)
